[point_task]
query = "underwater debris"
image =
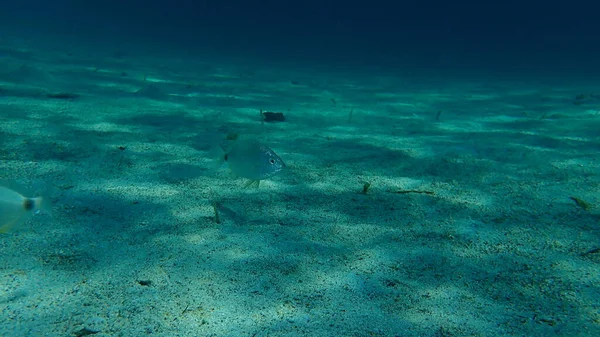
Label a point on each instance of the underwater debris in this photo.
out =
(145, 283)
(62, 95)
(216, 210)
(590, 251)
(581, 203)
(85, 332)
(269, 116)
(366, 187)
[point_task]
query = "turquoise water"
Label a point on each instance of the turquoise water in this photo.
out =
(480, 217)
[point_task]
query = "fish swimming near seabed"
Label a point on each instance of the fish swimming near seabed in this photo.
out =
(15, 208)
(251, 160)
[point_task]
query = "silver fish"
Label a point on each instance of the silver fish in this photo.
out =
(254, 161)
(16, 209)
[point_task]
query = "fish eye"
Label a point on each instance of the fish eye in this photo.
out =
(272, 161)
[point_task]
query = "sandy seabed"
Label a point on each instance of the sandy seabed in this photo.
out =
(467, 227)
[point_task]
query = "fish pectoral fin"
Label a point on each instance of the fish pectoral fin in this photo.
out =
(253, 183)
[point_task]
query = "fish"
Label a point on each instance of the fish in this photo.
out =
(15, 208)
(248, 158)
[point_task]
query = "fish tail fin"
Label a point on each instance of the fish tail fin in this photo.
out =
(218, 152)
(43, 205)
(40, 204)
(217, 158)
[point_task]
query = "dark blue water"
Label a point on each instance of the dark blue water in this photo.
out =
(536, 37)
